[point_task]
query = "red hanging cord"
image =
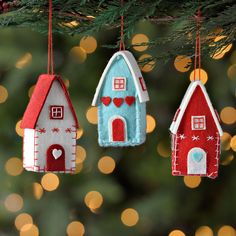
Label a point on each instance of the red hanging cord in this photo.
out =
(50, 44)
(197, 56)
(122, 44)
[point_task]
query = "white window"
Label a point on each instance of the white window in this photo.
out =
(56, 112)
(198, 122)
(119, 84)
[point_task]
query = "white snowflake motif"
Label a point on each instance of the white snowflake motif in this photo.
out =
(210, 138)
(182, 136)
(195, 138)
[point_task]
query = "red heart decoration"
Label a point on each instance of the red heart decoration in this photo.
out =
(106, 100)
(130, 100)
(118, 101)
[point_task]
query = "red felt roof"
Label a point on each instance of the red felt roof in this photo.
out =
(38, 99)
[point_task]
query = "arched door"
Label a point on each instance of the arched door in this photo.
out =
(197, 161)
(55, 158)
(118, 129)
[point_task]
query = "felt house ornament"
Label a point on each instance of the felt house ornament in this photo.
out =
(196, 135)
(50, 127)
(121, 97)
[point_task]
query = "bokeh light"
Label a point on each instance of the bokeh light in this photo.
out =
(89, 44)
(19, 130)
(147, 66)
(203, 75)
(129, 217)
(93, 200)
(228, 115)
(14, 166)
(192, 181)
(78, 54)
(24, 61)
(50, 182)
(163, 149)
(3, 94)
(92, 115)
(75, 228)
(78, 168)
(37, 190)
(233, 143)
(222, 51)
(106, 165)
(182, 63)
(140, 39)
(80, 154)
(14, 202)
(227, 160)
(23, 219)
(29, 230)
(71, 24)
(226, 230)
(231, 72)
(151, 124)
(67, 83)
(225, 141)
(176, 233)
(204, 231)
(80, 133)
(31, 90)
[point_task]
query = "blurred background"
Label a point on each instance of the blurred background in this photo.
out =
(115, 191)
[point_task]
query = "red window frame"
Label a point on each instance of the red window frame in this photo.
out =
(119, 84)
(56, 112)
(198, 122)
(142, 83)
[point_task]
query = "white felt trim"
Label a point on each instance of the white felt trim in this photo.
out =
(196, 117)
(110, 128)
(135, 71)
(193, 85)
(194, 167)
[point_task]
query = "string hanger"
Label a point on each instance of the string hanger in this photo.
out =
(50, 43)
(197, 56)
(122, 44)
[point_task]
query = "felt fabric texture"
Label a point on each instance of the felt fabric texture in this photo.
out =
(134, 114)
(106, 100)
(129, 100)
(118, 130)
(186, 140)
(55, 158)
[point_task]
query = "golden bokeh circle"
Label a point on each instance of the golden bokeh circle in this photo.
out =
(31, 90)
(80, 154)
(192, 181)
(139, 39)
(151, 123)
(148, 66)
(14, 166)
(93, 200)
(92, 115)
(226, 230)
(227, 160)
(182, 63)
(129, 217)
(78, 54)
(176, 233)
(75, 228)
(233, 143)
(89, 44)
(3, 94)
(29, 230)
(23, 219)
(204, 231)
(203, 75)
(228, 115)
(37, 190)
(163, 150)
(79, 133)
(19, 130)
(50, 182)
(231, 72)
(106, 165)
(14, 202)
(24, 61)
(225, 141)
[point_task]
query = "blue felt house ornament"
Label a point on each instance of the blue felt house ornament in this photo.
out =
(121, 97)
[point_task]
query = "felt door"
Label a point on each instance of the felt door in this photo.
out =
(197, 161)
(55, 158)
(118, 129)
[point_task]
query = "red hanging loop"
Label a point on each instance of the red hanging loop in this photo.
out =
(122, 44)
(50, 44)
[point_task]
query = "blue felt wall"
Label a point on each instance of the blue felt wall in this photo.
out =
(134, 115)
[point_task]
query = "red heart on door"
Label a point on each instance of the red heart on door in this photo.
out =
(130, 100)
(106, 100)
(118, 101)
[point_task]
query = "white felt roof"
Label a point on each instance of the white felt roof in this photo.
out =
(135, 71)
(193, 85)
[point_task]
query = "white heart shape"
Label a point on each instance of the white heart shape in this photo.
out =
(56, 153)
